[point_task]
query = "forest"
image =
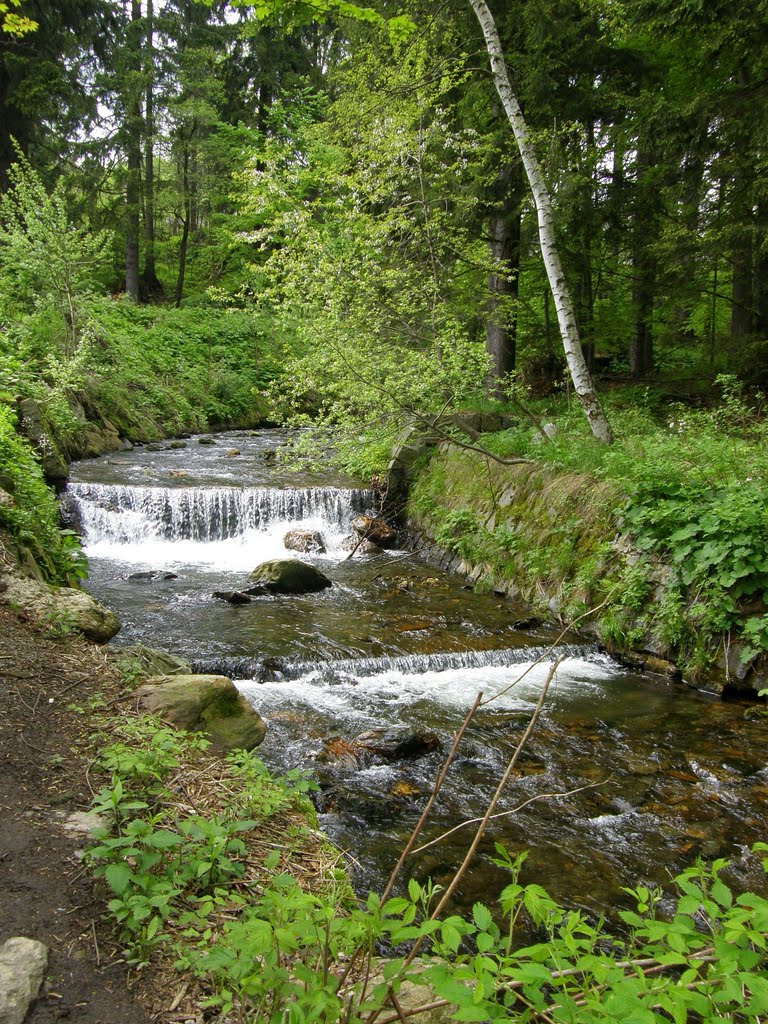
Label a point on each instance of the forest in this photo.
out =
(538, 231)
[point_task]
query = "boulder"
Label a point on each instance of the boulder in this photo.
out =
(64, 607)
(359, 546)
(205, 440)
(22, 966)
(232, 453)
(375, 530)
(177, 445)
(308, 541)
(202, 703)
(290, 576)
(32, 424)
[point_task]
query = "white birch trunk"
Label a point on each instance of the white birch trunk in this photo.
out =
(582, 381)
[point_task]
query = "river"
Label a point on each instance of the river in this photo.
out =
(627, 778)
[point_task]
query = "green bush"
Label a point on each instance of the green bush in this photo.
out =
(30, 514)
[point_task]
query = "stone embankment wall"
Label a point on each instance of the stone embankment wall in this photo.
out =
(554, 543)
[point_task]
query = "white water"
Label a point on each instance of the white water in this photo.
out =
(223, 528)
(362, 697)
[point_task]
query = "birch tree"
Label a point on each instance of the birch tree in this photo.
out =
(566, 317)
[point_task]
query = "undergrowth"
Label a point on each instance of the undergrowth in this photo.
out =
(29, 513)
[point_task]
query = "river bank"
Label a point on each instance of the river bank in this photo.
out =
(573, 548)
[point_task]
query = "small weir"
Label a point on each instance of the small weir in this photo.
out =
(404, 665)
(130, 515)
(626, 778)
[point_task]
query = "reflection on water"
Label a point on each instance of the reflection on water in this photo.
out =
(627, 777)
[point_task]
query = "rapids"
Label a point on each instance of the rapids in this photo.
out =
(627, 778)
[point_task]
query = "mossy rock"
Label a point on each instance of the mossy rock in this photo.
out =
(155, 662)
(290, 576)
(62, 609)
(205, 703)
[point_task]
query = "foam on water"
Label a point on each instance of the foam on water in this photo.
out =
(362, 697)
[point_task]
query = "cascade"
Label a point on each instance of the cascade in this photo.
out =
(406, 664)
(123, 514)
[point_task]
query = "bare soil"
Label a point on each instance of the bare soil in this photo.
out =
(45, 893)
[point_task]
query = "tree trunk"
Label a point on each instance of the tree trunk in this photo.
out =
(150, 283)
(504, 245)
(185, 229)
(133, 183)
(582, 381)
(761, 270)
(644, 235)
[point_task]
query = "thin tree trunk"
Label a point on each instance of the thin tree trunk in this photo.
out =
(185, 229)
(504, 244)
(761, 270)
(577, 366)
(133, 183)
(151, 284)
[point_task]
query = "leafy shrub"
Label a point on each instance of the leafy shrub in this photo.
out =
(31, 515)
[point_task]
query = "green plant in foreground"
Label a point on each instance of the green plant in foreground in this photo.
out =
(275, 953)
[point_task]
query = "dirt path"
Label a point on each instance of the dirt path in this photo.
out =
(44, 892)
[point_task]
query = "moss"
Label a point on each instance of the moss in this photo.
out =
(526, 523)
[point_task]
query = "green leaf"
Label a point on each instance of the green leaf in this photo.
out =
(118, 877)
(482, 917)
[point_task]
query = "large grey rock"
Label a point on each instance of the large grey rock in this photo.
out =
(22, 966)
(65, 608)
(290, 576)
(204, 703)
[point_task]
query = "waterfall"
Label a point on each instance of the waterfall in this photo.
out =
(405, 664)
(127, 515)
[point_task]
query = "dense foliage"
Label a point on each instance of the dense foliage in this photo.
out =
(29, 512)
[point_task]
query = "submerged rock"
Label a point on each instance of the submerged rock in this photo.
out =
(290, 576)
(154, 662)
(379, 745)
(375, 530)
(397, 744)
(308, 541)
(232, 596)
(209, 704)
(152, 576)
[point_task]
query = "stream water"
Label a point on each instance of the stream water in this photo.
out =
(626, 779)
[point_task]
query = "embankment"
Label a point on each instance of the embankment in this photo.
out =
(557, 542)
